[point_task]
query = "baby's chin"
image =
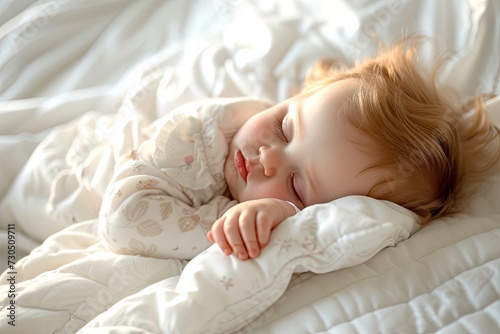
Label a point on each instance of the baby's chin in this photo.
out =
(231, 181)
(233, 194)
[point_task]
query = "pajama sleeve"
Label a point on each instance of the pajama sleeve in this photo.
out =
(142, 215)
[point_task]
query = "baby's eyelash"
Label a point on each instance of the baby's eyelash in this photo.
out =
(291, 188)
(279, 129)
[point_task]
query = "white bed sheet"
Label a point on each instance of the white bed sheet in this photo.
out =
(60, 59)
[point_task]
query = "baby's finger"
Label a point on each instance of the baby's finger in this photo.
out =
(217, 234)
(264, 225)
(248, 234)
(210, 237)
(233, 237)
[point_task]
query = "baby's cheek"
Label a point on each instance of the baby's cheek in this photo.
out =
(262, 133)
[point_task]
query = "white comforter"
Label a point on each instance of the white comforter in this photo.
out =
(61, 59)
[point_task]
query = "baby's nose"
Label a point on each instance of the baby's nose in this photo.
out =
(269, 159)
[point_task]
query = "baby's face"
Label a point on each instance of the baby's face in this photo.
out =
(300, 150)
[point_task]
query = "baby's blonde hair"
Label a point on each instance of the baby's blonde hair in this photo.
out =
(424, 145)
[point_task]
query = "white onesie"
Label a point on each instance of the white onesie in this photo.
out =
(165, 196)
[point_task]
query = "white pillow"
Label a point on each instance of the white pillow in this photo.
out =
(221, 294)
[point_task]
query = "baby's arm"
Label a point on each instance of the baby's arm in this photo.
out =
(246, 227)
(141, 214)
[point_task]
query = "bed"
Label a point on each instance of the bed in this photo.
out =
(81, 66)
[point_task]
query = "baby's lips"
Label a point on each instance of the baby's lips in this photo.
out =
(241, 165)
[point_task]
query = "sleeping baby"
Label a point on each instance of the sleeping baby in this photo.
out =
(230, 170)
(165, 196)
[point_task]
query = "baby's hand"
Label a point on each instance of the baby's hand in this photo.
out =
(245, 228)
